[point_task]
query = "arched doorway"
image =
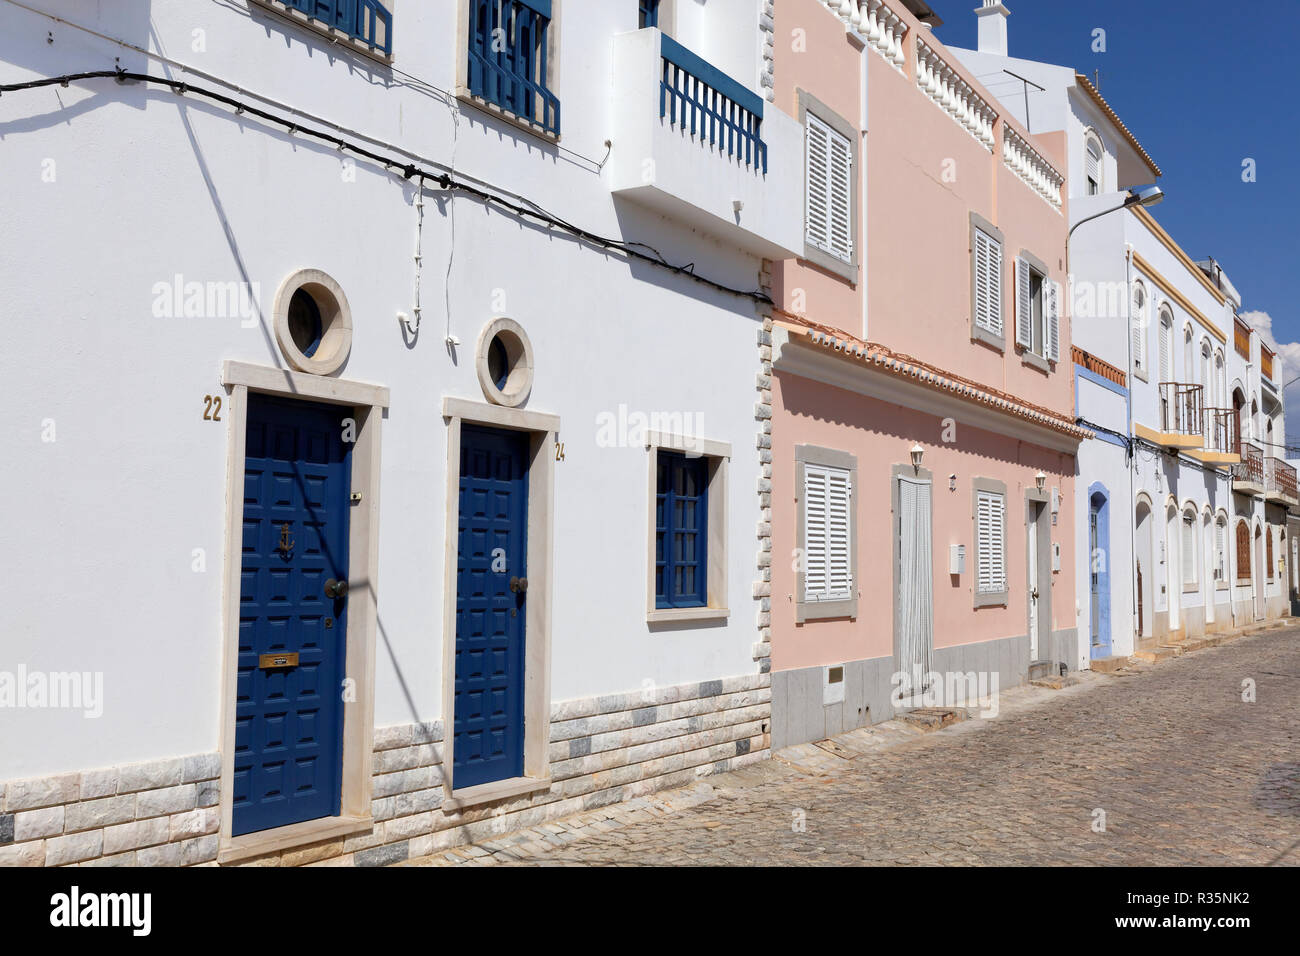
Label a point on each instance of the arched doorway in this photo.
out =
(1144, 568)
(1210, 563)
(1173, 565)
(1099, 572)
(1257, 577)
(1239, 410)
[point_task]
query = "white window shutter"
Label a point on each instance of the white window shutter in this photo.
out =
(1053, 291)
(1139, 330)
(1189, 549)
(990, 550)
(828, 158)
(841, 196)
(988, 282)
(817, 163)
(839, 566)
(828, 533)
(815, 533)
(1024, 305)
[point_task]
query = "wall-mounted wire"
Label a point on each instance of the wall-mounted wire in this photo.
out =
(491, 195)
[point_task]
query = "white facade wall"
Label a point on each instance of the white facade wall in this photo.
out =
(1109, 256)
(1103, 468)
(115, 532)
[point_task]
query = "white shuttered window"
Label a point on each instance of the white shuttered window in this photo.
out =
(990, 544)
(1138, 322)
(829, 187)
(828, 567)
(988, 282)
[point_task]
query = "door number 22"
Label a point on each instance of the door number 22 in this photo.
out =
(212, 408)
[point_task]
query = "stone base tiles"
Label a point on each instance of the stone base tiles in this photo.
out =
(605, 752)
(159, 813)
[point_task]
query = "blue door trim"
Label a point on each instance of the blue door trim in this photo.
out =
(288, 759)
(491, 596)
(1099, 568)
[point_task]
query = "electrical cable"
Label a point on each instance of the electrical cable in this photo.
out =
(491, 196)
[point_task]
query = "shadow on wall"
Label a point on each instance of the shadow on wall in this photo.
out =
(805, 398)
(47, 48)
(661, 239)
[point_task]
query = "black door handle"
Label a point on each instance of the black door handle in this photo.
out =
(519, 585)
(336, 589)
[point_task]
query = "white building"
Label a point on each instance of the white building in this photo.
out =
(1182, 497)
(355, 370)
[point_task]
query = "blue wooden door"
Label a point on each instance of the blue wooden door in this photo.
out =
(288, 712)
(491, 591)
(1099, 577)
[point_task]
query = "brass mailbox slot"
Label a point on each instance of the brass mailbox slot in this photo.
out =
(272, 662)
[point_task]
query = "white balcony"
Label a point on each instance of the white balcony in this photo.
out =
(701, 148)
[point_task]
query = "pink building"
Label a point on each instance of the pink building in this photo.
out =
(923, 439)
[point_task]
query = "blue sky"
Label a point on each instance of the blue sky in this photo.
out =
(1203, 86)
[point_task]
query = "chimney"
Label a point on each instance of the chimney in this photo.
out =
(993, 27)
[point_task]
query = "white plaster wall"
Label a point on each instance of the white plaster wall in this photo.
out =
(1098, 461)
(100, 535)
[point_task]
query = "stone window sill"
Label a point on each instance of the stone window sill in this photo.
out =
(295, 835)
(491, 792)
(660, 615)
(1034, 360)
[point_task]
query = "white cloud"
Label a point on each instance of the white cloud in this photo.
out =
(1289, 352)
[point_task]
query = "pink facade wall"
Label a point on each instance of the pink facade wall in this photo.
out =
(880, 435)
(813, 53)
(925, 176)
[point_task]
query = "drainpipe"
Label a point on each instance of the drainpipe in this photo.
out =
(862, 194)
(1132, 457)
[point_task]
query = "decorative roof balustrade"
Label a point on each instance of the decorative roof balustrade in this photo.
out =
(945, 87)
(882, 28)
(1027, 163)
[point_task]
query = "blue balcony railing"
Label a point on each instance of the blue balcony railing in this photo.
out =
(508, 59)
(366, 20)
(702, 100)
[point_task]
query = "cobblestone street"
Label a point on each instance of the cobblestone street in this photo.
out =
(1184, 770)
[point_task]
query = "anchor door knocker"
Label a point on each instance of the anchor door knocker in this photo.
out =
(285, 546)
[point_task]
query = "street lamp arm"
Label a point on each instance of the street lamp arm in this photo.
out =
(1145, 196)
(1129, 201)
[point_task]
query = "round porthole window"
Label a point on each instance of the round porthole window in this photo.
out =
(505, 362)
(305, 326)
(313, 323)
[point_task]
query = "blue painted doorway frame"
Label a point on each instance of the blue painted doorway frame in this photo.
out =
(1099, 570)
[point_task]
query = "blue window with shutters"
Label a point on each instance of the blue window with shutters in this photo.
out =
(369, 21)
(509, 61)
(681, 531)
(649, 13)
